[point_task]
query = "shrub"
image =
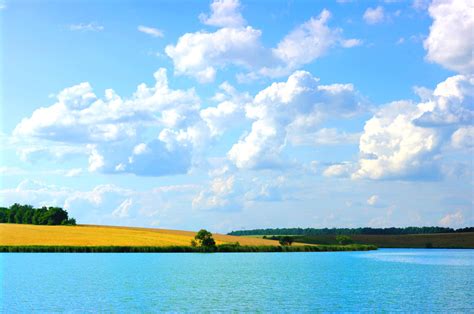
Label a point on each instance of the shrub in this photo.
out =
(344, 240)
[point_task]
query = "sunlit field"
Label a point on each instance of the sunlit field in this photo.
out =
(88, 235)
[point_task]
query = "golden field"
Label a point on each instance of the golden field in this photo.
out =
(91, 235)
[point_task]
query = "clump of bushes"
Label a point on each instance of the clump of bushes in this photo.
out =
(344, 239)
(27, 214)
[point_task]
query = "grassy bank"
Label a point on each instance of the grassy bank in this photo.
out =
(436, 240)
(223, 248)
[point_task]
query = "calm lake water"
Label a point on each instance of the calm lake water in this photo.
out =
(384, 280)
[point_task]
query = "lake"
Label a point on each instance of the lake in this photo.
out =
(421, 280)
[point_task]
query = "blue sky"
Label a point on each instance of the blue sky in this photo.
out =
(229, 115)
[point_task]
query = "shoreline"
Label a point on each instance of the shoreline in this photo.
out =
(223, 248)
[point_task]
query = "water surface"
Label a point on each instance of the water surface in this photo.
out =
(385, 280)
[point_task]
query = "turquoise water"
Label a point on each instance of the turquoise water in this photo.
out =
(385, 280)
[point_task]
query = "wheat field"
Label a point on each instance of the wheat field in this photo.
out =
(92, 235)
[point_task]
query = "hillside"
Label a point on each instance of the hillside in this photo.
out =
(90, 235)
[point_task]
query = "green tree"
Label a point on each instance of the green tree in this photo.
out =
(344, 239)
(4, 213)
(55, 216)
(286, 240)
(205, 240)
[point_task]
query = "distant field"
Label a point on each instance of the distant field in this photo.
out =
(440, 240)
(89, 235)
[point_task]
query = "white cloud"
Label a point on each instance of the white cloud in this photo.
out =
(107, 203)
(420, 4)
(341, 170)
(324, 136)
(89, 27)
(3, 5)
(310, 41)
(225, 13)
(455, 219)
(349, 43)
(220, 195)
(140, 149)
(202, 54)
(229, 111)
(123, 209)
(96, 160)
(451, 39)
(289, 110)
(374, 15)
(267, 190)
(404, 140)
(463, 137)
(154, 32)
(373, 200)
(73, 172)
(117, 133)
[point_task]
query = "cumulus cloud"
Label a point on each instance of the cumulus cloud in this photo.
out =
(225, 13)
(340, 170)
(154, 32)
(118, 132)
(228, 112)
(310, 41)
(451, 39)
(289, 110)
(404, 140)
(229, 190)
(202, 54)
(374, 15)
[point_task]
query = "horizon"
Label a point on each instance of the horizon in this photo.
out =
(239, 115)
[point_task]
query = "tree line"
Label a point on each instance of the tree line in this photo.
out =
(27, 214)
(349, 231)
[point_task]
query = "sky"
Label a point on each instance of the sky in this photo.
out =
(231, 115)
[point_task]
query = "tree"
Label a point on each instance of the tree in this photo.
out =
(205, 240)
(343, 239)
(56, 216)
(286, 240)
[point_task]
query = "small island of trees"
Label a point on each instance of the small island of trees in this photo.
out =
(27, 214)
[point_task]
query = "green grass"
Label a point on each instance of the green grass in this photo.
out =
(435, 240)
(223, 248)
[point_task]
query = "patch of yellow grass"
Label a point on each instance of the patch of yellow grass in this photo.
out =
(90, 235)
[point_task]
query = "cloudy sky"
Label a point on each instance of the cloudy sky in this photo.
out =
(228, 115)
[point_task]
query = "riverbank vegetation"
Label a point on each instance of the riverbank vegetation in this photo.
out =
(27, 214)
(349, 231)
(437, 240)
(222, 248)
